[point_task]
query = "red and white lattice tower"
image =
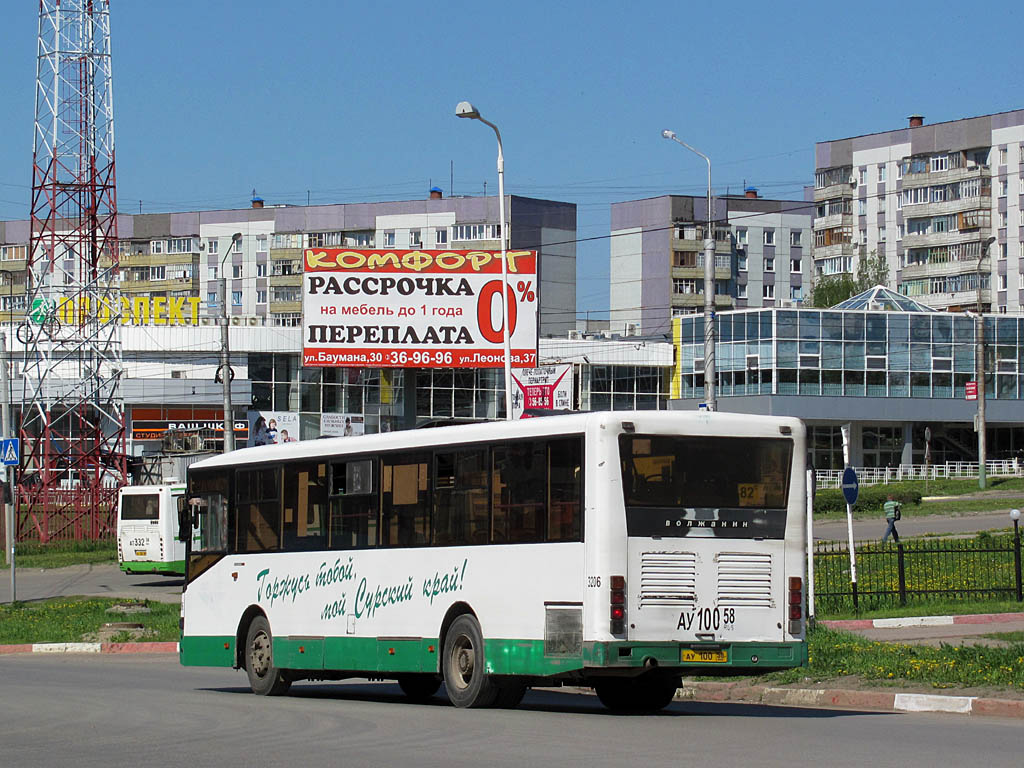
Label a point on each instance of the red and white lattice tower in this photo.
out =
(72, 419)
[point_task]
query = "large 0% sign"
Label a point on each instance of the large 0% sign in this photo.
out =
(417, 309)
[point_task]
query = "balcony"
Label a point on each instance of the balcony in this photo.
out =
(982, 201)
(935, 178)
(294, 279)
(697, 273)
(833, 221)
(955, 300)
(831, 251)
(843, 189)
(279, 307)
(286, 254)
(942, 268)
(697, 244)
(944, 238)
(692, 300)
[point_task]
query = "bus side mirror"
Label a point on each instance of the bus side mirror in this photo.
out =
(184, 520)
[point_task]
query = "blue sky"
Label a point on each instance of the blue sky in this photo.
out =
(353, 102)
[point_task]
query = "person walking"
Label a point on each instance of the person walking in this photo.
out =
(892, 513)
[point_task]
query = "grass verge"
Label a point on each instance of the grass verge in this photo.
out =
(835, 654)
(68, 619)
(929, 608)
(63, 553)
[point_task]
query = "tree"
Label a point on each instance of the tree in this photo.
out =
(831, 290)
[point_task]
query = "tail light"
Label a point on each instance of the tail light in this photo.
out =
(617, 605)
(796, 605)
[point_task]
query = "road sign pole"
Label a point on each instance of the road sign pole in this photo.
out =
(5, 417)
(851, 488)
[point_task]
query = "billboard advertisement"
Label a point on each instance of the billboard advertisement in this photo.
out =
(416, 309)
(273, 427)
(341, 424)
(548, 387)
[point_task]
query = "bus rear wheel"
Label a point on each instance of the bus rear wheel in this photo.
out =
(264, 678)
(648, 693)
(419, 688)
(464, 666)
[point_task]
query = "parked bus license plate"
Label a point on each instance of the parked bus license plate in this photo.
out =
(705, 657)
(140, 553)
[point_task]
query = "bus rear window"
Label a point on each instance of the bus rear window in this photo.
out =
(140, 506)
(676, 485)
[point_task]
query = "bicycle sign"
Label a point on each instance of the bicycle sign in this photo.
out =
(43, 314)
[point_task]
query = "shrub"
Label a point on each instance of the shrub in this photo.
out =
(871, 497)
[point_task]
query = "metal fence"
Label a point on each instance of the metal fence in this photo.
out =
(832, 478)
(950, 570)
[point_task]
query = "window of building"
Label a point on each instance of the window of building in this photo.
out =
(441, 236)
(389, 238)
(1004, 187)
(796, 238)
(14, 252)
(769, 264)
(864, 237)
(881, 171)
(768, 291)
(236, 271)
(158, 246)
(741, 263)
(236, 298)
(261, 243)
(236, 245)
(863, 176)
(1002, 155)
(741, 235)
(287, 241)
(862, 207)
(1002, 218)
(741, 290)
(261, 269)
(158, 273)
(882, 234)
(211, 273)
(286, 293)
(796, 292)
(794, 266)
(287, 319)
(211, 245)
(211, 299)
(261, 297)
(769, 237)
(881, 203)
(1002, 250)
(179, 245)
(899, 168)
(687, 285)
(939, 163)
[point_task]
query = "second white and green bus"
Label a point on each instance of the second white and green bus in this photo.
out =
(617, 550)
(147, 529)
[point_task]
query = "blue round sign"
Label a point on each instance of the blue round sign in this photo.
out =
(851, 486)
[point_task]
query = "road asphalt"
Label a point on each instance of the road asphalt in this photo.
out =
(834, 529)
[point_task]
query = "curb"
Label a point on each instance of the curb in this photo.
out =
(167, 647)
(846, 699)
(924, 621)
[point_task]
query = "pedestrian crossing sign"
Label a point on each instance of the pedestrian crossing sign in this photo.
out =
(10, 451)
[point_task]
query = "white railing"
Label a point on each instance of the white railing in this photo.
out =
(832, 478)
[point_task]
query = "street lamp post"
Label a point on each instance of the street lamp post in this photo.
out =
(709, 285)
(467, 110)
(979, 354)
(225, 350)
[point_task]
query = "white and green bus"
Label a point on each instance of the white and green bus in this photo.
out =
(618, 550)
(147, 529)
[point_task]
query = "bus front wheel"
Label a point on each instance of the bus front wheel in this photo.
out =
(264, 678)
(465, 668)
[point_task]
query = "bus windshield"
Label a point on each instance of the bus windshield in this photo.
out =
(677, 485)
(140, 506)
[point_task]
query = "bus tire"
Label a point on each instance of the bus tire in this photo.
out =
(264, 678)
(647, 693)
(464, 666)
(419, 688)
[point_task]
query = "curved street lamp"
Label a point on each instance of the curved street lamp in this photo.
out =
(467, 110)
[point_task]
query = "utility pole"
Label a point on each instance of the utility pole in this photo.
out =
(225, 350)
(979, 355)
(5, 427)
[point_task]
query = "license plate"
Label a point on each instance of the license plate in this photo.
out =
(705, 657)
(140, 553)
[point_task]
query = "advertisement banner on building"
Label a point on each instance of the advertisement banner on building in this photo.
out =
(341, 424)
(273, 427)
(158, 423)
(416, 309)
(547, 388)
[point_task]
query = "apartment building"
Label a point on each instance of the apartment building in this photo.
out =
(762, 252)
(941, 203)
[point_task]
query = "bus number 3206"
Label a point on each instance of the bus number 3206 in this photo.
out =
(707, 619)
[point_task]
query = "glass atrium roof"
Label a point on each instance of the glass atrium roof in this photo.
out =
(881, 299)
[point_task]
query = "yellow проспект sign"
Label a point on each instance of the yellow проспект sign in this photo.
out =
(134, 310)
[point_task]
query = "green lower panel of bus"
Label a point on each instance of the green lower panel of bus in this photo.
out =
(175, 568)
(504, 657)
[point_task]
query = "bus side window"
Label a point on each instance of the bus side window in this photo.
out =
(354, 505)
(519, 492)
(405, 500)
(305, 506)
(460, 498)
(258, 508)
(565, 483)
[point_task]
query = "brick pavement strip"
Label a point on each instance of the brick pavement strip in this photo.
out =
(167, 647)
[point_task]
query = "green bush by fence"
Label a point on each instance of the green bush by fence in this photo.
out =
(869, 498)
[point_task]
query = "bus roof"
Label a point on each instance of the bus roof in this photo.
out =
(698, 422)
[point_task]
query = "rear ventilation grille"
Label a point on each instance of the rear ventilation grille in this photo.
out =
(744, 579)
(668, 578)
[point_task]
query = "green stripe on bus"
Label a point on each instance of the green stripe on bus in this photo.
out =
(504, 657)
(176, 567)
(206, 651)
